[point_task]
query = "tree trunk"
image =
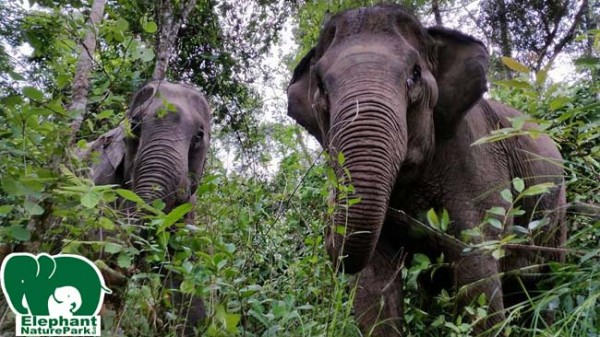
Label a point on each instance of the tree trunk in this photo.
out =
(169, 27)
(506, 46)
(38, 224)
(435, 8)
(84, 66)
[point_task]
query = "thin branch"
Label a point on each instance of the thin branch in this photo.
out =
(570, 33)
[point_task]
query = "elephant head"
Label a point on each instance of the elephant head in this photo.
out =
(64, 301)
(380, 88)
(164, 157)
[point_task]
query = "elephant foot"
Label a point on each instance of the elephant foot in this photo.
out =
(379, 301)
(477, 274)
(188, 307)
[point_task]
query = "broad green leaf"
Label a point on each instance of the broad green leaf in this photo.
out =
(506, 195)
(33, 93)
(421, 260)
(537, 223)
(541, 76)
(515, 65)
(174, 216)
(19, 233)
(538, 189)
(340, 229)
(497, 211)
(520, 230)
(445, 221)
(340, 158)
(124, 260)
(150, 27)
(106, 223)
(231, 322)
(12, 100)
(187, 286)
(90, 199)
(122, 25)
(33, 208)
(587, 61)
(433, 219)
(5, 209)
(498, 253)
(441, 319)
(112, 248)
(16, 76)
(129, 195)
(158, 204)
(146, 55)
(105, 114)
(559, 102)
(495, 223)
(518, 184)
(353, 201)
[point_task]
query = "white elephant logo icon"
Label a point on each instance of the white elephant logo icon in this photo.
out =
(64, 302)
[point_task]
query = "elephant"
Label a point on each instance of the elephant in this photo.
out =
(162, 157)
(398, 107)
(36, 285)
(64, 301)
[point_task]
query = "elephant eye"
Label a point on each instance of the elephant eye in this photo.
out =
(416, 73)
(321, 86)
(199, 136)
(415, 76)
(136, 125)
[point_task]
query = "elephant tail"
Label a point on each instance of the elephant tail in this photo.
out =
(105, 289)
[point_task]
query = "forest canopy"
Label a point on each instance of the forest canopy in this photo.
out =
(255, 250)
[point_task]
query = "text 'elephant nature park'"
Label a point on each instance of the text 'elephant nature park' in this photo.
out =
(59, 295)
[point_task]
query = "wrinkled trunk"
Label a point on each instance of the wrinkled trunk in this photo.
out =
(369, 128)
(160, 172)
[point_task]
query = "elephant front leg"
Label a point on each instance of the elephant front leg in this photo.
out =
(477, 274)
(378, 304)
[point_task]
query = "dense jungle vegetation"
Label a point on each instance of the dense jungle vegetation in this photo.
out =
(255, 252)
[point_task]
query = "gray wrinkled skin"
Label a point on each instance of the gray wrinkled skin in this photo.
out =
(163, 158)
(404, 104)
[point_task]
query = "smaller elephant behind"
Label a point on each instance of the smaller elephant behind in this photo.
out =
(162, 158)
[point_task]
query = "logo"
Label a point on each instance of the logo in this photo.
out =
(58, 295)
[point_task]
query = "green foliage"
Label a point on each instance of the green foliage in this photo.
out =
(255, 251)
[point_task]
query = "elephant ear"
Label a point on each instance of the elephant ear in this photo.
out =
(462, 63)
(140, 97)
(110, 147)
(301, 93)
(139, 103)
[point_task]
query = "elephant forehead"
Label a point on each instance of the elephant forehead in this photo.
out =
(390, 21)
(373, 19)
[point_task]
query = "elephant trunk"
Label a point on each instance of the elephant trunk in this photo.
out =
(161, 172)
(369, 128)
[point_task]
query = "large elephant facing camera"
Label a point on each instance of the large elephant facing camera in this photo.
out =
(163, 157)
(404, 105)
